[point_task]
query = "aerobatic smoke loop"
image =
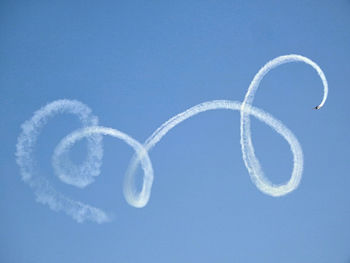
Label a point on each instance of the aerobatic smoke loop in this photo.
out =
(83, 175)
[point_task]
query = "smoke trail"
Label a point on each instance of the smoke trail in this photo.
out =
(81, 176)
(78, 176)
(250, 160)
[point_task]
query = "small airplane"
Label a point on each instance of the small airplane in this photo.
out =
(317, 107)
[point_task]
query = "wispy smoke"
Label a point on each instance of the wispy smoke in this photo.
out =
(78, 176)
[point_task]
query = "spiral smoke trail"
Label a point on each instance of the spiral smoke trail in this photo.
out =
(83, 175)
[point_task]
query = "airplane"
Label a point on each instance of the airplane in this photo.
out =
(317, 107)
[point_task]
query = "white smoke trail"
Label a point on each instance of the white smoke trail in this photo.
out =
(250, 160)
(83, 175)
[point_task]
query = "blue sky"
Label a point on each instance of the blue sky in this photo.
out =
(138, 63)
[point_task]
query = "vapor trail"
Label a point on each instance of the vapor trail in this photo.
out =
(83, 175)
(251, 161)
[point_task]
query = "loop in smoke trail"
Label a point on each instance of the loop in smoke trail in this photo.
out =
(140, 199)
(250, 160)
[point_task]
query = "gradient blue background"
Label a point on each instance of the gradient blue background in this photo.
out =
(138, 63)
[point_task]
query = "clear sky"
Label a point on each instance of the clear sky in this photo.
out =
(138, 63)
